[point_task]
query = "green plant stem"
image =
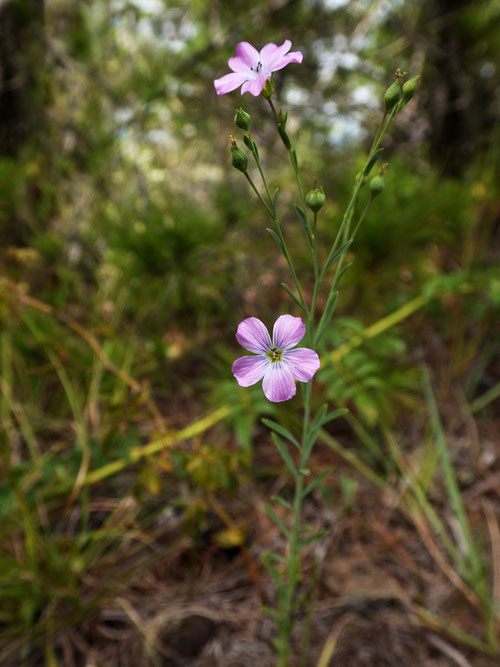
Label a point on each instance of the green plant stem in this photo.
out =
(286, 254)
(259, 196)
(343, 230)
(295, 166)
(273, 108)
(362, 216)
(343, 233)
(256, 157)
(316, 277)
(293, 559)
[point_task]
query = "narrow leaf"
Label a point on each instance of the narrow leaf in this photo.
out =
(281, 501)
(316, 481)
(313, 434)
(313, 537)
(347, 266)
(276, 238)
(270, 612)
(272, 556)
(335, 257)
(292, 295)
(327, 316)
(334, 415)
(320, 415)
(284, 137)
(285, 455)
(303, 220)
(372, 161)
(274, 572)
(275, 204)
(272, 514)
(282, 431)
(249, 142)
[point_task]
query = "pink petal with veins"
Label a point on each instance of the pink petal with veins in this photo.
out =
(271, 53)
(294, 57)
(253, 335)
(247, 53)
(288, 331)
(249, 370)
(278, 384)
(229, 82)
(238, 65)
(255, 86)
(302, 363)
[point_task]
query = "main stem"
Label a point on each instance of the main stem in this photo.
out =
(293, 560)
(288, 602)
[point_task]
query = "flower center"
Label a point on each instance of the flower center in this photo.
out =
(257, 67)
(274, 354)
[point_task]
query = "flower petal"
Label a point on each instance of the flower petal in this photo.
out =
(256, 85)
(229, 82)
(287, 332)
(253, 335)
(278, 384)
(247, 53)
(238, 65)
(302, 363)
(249, 370)
(271, 53)
(294, 57)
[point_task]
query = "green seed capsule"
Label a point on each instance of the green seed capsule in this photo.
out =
(392, 95)
(376, 185)
(315, 199)
(239, 158)
(409, 89)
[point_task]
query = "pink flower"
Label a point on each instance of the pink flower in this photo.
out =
(276, 362)
(251, 69)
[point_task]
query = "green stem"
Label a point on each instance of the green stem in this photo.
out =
(261, 198)
(273, 108)
(362, 216)
(295, 168)
(343, 233)
(261, 172)
(316, 276)
(290, 266)
(343, 230)
(286, 254)
(293, 160)
(293, 560)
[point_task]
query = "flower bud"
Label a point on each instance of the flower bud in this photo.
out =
(392, 95)
(239, 158)
(242, 119)
(315, 199)
(377, 185)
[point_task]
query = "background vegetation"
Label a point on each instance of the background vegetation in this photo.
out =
(133, 468)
